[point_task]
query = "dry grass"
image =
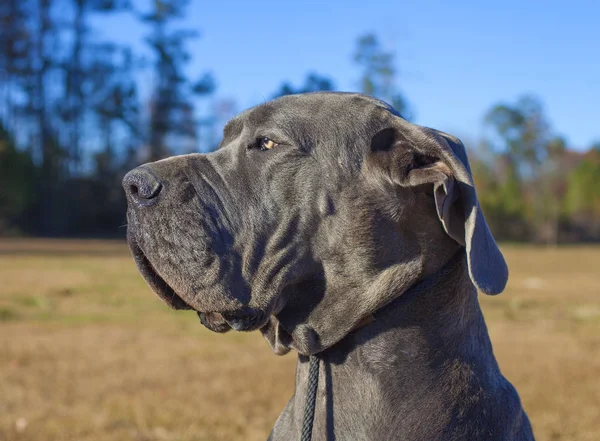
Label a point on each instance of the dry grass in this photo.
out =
(87, 352)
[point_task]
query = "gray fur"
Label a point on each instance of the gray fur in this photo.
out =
(303, 241)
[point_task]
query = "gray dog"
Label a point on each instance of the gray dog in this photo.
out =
(337, 228)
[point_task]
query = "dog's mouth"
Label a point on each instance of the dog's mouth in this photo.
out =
(241, 319)
(156, 282)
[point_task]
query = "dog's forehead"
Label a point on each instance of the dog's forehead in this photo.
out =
(314, 112)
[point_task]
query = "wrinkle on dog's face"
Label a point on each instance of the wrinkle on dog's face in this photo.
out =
(297, 231)
(182, 244)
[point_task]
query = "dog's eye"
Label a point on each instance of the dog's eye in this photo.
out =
(266, 143)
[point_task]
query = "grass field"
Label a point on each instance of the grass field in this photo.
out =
(88, 352)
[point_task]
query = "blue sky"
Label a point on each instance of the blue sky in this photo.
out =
(456, 58)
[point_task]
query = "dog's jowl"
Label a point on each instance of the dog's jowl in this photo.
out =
(338, 229)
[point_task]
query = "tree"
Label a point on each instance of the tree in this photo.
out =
(500, 195)
(312, 83)
(79, 66)
(113, 97)
(521, 133)
(204, 88)
(69, 104)
(52, 75)
(378, 73)
(43, 63)
(17, 182)
(15, 68)
(583, 193)
(171, 107)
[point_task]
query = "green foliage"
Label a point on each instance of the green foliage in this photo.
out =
(533, 180)
(501, 197)
(17, 181)
(522, 131)
(583, 189)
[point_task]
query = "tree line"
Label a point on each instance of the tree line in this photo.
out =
(74, 118)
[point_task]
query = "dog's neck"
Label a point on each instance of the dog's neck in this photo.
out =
(429, 284)
(425, 354)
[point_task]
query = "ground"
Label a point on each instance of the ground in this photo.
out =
(88, 352)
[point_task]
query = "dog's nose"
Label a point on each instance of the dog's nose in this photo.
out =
(142, 186)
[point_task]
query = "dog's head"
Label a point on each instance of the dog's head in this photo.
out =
(315, 211)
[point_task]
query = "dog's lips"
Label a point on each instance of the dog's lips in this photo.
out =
(248, 319)
(156, 282)
(214, 322)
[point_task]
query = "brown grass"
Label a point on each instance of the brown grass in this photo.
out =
(87, 352)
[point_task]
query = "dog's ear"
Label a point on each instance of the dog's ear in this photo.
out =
(410, 155)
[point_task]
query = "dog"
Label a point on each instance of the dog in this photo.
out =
(341, 231)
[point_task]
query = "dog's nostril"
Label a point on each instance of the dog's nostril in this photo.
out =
(151, 193)
(133, 190)
(142, 185)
